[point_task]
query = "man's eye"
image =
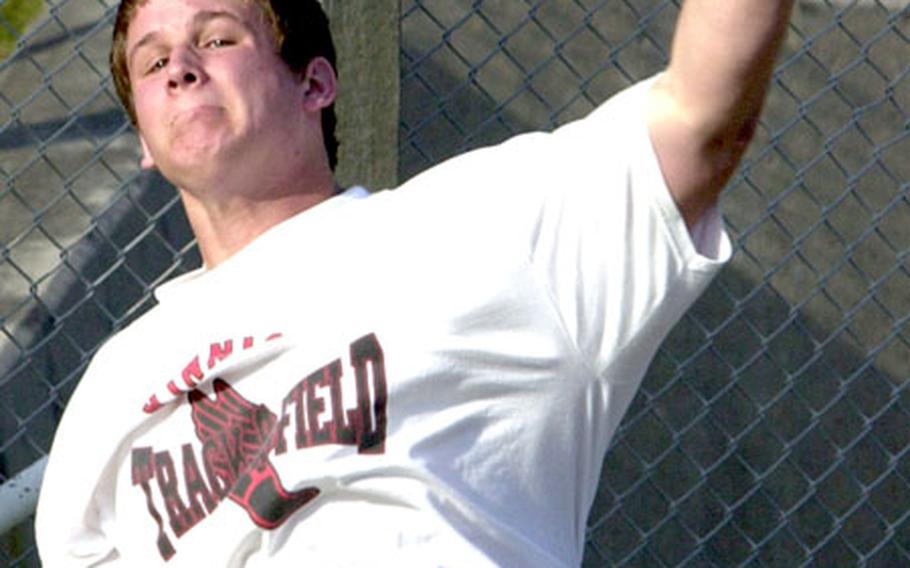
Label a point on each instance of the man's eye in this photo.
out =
(157, 65)
(217, 42)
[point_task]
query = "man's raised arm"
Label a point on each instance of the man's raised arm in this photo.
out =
(704, 109)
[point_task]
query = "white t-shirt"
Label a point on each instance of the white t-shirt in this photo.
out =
(422, 377)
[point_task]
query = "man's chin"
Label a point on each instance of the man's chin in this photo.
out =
(193, 155)
(193, 171)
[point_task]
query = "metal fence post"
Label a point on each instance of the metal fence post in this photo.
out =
(367, 40)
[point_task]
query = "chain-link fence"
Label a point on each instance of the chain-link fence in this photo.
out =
(772, 429)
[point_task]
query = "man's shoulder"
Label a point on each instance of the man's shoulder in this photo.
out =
(137, 335)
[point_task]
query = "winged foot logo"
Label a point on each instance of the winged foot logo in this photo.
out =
(238, 438)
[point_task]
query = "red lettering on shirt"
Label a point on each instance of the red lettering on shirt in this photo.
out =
(339, 404)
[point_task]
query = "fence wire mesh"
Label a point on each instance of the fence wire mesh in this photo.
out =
(772, 429)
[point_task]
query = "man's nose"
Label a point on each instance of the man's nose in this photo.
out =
(184, 69)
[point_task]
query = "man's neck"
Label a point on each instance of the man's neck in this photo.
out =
(226, 225)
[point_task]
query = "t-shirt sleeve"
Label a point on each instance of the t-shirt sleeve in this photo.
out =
(610, 243)
(588, 207)
(74, 512)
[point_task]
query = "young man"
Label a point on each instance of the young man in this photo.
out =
(423, 377)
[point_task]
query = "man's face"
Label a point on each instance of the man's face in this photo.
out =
(211, 92)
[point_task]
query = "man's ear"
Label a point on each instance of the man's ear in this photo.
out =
(146, 162)
(319, 84)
